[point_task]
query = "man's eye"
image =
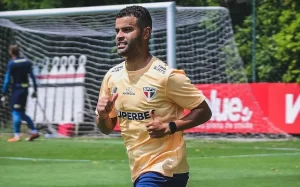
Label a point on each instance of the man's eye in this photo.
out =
(126, 30)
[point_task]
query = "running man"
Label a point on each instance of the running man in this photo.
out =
(148, 99)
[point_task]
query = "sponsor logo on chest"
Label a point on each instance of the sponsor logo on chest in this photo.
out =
(133, 115)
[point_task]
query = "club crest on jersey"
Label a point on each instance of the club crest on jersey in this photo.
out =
(149, 92)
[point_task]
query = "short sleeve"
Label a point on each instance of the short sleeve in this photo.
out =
(182, 92)
(106, 91)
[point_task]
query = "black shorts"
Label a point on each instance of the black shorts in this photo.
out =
(19, 99)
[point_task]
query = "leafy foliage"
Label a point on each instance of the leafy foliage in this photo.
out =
(277, 41)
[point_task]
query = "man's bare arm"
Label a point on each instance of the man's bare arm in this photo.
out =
(106, 125)
(197, 116)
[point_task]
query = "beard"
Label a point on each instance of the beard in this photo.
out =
(131, 46)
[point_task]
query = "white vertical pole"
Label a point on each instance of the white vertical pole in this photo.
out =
(171, 35)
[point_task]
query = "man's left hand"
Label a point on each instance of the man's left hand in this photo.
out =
(156, 128)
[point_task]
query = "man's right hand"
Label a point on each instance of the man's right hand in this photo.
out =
(105, 105)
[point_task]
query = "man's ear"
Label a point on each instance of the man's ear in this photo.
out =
(147, 33)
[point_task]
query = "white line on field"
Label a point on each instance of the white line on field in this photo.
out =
(99, 141)
(245, 156)
(265, 148)
(257, 148)
(44, 159)
(205, 157)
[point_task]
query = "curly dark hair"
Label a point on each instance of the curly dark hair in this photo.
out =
(141, 13)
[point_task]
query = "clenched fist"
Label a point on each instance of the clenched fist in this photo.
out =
(156, 128)
(105, 105)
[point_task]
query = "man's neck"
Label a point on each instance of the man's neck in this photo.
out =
(138, 61)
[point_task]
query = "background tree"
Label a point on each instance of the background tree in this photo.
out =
(277, 41)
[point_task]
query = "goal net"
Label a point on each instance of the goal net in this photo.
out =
(71, 54)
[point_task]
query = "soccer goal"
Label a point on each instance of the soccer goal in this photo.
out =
(73, 48)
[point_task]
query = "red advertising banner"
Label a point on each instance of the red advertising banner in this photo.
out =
(284, 107)
(251, 108)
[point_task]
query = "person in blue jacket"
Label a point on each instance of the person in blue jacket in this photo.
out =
(18, 69)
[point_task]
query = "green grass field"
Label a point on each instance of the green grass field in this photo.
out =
(103, 163)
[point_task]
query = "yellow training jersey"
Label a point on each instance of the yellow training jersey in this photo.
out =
(158, 87)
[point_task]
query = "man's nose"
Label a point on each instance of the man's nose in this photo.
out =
(120, 35)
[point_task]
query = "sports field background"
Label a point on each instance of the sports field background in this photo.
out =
(103, 162)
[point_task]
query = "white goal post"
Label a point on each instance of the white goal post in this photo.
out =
(72, 49)
(168, 6)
